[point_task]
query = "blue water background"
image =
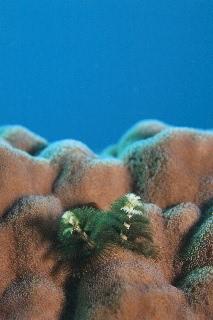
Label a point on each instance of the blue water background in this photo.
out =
(88, 70)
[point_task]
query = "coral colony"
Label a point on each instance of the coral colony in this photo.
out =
(126, 234)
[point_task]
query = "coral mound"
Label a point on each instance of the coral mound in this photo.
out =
(170, 168)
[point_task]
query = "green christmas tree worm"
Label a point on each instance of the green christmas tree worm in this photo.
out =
(86, 233)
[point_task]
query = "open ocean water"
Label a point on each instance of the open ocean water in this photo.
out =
(89, 69)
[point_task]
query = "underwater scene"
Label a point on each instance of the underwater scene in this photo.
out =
(106, 167)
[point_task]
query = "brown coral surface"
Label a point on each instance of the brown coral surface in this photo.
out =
(172, 171)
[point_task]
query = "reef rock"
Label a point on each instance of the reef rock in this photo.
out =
(170, 168)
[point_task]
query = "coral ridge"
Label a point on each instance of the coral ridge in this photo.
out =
(169, 168)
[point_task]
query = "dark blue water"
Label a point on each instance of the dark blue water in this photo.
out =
(90, 69)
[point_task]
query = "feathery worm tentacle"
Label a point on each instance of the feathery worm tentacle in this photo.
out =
(86, 232)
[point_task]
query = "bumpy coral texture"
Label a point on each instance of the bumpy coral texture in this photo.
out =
(170, 168)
